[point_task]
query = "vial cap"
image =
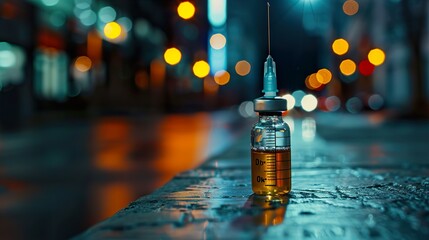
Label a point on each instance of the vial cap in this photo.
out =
(264, 104)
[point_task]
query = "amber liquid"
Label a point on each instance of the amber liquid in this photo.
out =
(271, 172)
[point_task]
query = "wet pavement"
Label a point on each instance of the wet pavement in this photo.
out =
(349, 181)
(60, 178)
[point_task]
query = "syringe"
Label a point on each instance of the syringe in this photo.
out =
(270, 136)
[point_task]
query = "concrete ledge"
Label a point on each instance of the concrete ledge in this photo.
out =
(340, 190)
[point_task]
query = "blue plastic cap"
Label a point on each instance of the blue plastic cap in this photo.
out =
(270, 78)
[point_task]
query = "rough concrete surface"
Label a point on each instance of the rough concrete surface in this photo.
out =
(343, 188)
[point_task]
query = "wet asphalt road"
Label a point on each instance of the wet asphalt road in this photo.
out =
(60, 178)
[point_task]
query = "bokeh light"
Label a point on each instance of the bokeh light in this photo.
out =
(375, 102)
(186, 10)
(126, 23)
(340, 46)
(376, 56)
(312, 83)
(7, 56)
(82, 4)
(243, 68)
(350, 7)
(107, 14)
(348, 67)
(112, 30)
(210, 86)
(217, 59)
(201, 69)
(309, 103)
(332, 103)
(172, 56)
(246, 109)
(83, 64)
(217, 12)
(290, 101)
(354, 105)
(58, 18)
(366, 68)
(298, 95)
(324, 76)
(50, 3)
(307, 82)
(142, 28)
(222, 77)
(217, 41)
(88, 17)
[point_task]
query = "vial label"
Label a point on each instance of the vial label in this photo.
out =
(271, 172)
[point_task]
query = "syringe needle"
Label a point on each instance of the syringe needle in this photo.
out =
(269, 27)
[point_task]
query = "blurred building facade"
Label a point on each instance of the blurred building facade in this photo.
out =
(98, 56)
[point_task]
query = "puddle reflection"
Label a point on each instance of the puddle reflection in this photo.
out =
(263, 211)
(308, 129)
(109, 198)
(113, 135)
(133, 158)
(273, 209)
(183, 142)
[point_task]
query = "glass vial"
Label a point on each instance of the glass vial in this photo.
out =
(270, 152)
